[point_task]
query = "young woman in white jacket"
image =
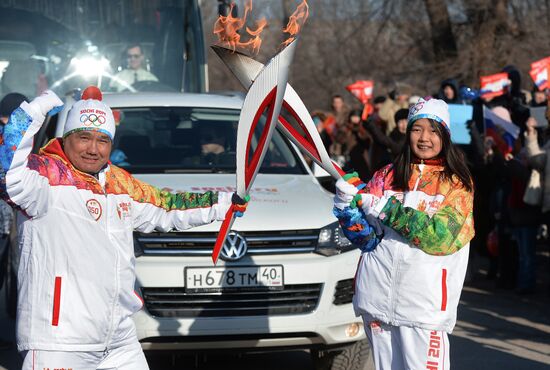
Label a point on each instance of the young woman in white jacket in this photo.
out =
(414, 222)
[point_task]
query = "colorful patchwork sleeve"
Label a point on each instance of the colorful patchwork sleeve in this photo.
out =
(163, 210)
(448, 230)
(20, 186)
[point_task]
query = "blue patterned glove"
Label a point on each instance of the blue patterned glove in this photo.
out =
(356, 228)
(55, 110)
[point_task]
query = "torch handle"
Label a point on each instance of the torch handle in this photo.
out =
(341, 172)
(339, 169)
(224, 231)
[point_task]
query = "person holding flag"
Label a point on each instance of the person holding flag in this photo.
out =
(414, 223)
(76, 272)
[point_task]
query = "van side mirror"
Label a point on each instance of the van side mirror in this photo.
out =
(319, 171)
(324, 178)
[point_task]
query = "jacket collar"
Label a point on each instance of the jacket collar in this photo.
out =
(430, 162)
(54, 148)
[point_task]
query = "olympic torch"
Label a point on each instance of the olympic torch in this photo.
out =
(265, 95)
(300, 129)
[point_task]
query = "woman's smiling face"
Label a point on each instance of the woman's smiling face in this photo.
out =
(425, 140)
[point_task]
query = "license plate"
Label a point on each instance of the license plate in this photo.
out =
(221, 278)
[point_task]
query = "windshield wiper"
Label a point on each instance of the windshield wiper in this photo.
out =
(186, 170)
(167, 169)
(220, 170)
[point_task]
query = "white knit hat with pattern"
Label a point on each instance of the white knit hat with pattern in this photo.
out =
(430, 108)
(90, 114)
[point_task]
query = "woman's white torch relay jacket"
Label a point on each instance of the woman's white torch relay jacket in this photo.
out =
(414, 277)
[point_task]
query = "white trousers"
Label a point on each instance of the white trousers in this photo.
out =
(404, 348)
(129, 357)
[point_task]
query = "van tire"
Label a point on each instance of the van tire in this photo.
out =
(351, 357)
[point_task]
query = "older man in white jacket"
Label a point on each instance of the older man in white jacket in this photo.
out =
(76, 274)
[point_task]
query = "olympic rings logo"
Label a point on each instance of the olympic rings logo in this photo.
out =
(92, 119)
(416, 108)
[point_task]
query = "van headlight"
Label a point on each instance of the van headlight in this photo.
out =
(332, 241)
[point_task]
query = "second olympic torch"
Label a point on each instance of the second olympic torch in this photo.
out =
(264, 98)
(298, 125)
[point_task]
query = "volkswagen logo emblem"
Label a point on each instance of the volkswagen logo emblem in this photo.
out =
(234, 247)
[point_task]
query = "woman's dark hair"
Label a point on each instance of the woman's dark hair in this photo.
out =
(454, 161)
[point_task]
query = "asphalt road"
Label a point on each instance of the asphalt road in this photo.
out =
(496, 329)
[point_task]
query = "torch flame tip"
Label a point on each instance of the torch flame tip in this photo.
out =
(227, 28)
(296, 22)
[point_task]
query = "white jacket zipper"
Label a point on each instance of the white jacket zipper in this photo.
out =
(397, 260)
(421, 169)
(394, 280)
(117, 283)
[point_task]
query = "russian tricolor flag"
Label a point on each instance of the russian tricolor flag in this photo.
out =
(502, 131)
(493, 85)
(539, 73)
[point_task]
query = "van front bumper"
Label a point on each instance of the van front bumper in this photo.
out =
(329, 323)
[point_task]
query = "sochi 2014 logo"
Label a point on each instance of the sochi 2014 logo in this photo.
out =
(94, 207)
(123, 210)
(92, 117)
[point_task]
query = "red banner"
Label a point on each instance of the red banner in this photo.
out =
(362, 90)
(539, 73)
(493, 85)
(541, 62)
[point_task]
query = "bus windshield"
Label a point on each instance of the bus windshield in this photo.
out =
(124, 45)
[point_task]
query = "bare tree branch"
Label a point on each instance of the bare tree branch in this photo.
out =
(443, 40)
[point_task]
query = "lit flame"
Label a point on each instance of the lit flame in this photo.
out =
(227, 29)
(296, 22)
(256, 42)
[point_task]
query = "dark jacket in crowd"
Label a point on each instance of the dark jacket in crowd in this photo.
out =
(393, 142)
(454, 85)
(514, 99)
(359, 158)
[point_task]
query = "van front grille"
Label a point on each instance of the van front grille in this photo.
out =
(201, 244)
(176, 302)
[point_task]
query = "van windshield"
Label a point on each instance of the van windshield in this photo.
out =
(115, 45)
(182, 139)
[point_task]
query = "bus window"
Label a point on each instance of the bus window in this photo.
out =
(120, 46)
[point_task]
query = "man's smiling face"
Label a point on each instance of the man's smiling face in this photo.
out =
(88, 151)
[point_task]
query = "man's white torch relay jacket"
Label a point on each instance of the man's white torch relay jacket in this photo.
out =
(76, 273)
